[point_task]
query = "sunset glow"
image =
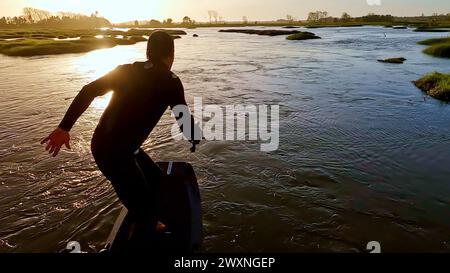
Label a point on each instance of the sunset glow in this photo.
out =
(114, 10)
(119, 11)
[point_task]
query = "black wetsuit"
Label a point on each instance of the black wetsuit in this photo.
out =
(141, 94)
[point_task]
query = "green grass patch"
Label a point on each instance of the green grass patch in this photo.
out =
(439, 50)
(442, 28)
(35, 47)
(393, 60)
(302, 36)
(438, 47)
(435, 41)
(261, 32)
(333, 26)
(34, 42)
(141, 32)
(436, 85)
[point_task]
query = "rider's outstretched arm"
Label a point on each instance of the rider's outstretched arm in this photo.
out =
(60, 136)
(85, 97)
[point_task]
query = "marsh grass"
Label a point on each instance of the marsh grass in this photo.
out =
(302, 36)
(48, 33)
(439, 50)
(439, 28)
(393, 60)
(435, 41)
(37, 47)
(50, 42)
(334, 26)
(261, 32)
(438, 47)
(436, 85)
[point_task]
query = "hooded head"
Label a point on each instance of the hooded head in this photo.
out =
(161, 48)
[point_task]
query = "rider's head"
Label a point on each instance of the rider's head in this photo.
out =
(160, 48)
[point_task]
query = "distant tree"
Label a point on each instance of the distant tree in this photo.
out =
(371, 17)
(3, 21)
(136, 23)
(210, 15)
(312, 17)
(244, 19)
(60, 19)
(169, 21)
(154, 23)
(36, 15)
(317, 16)
(345, 17)
(213, 14)
(289, 18)
(187, 20)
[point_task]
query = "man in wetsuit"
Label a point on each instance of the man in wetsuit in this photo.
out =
(141, 94)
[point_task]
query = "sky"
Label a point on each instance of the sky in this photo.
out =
(126, 10)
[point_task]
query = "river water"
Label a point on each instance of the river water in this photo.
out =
(364, 155)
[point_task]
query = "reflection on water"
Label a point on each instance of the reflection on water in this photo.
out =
(97, 63)
(102, 102)
(363, 155)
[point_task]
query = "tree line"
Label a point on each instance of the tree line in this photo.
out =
(324, 17)
(43, 18)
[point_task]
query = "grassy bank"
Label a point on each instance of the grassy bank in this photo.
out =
(435, 41)
(436, 85)
(282, 24)
(27, 43)
(292, 34)
(261, 32)
(302, 36)
(73, 33)
(438, 28)
(332, 26)
(439, 50)
(33, 47)
(438, 47)
(393, 60)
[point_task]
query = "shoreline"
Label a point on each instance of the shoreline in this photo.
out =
(31, 41)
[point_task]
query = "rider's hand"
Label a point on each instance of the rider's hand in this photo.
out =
(55, 140)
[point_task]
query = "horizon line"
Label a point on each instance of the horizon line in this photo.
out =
(230, 20)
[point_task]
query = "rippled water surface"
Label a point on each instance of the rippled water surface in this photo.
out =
(363, 154)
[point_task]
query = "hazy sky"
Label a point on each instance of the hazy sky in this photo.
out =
(124, 10)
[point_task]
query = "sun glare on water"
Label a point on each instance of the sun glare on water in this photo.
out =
(102, 102)
(96, 64)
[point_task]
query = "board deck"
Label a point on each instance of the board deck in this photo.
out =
(179, 209)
